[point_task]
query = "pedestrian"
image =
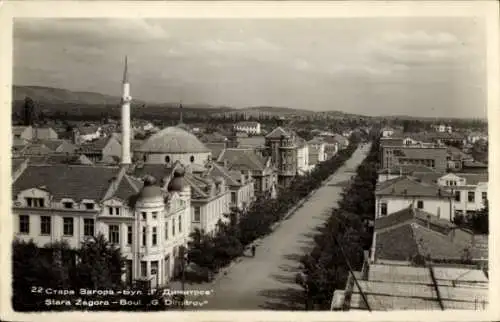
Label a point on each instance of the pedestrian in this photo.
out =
(253, 250)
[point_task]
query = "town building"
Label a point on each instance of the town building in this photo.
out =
(434, 157)
(261, 169)
(34, 133)
(106, 149)
(317, 153)
(386, 132)
(252, 128)
(470, 190)
(86, 133)
(401, 192)
(289, 153)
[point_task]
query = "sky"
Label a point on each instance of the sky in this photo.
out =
(427, 67)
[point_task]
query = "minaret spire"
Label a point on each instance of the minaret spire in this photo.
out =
(125, 72)
(126, 99)
(180, 114)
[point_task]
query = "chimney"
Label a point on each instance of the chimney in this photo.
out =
(126, 98)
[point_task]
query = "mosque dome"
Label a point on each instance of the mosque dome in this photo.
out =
(177, 183)
(173, 140)
(150, 192)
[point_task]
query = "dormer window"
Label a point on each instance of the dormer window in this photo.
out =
(113, 211)
(35, 202)
(68, 205)
(89, 206)
(167, 159)
(191, 159)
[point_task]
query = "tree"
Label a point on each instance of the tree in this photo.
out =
(29, 111)
(100, 264)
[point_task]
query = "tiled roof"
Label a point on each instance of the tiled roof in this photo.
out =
(213, 138)
(252, 142)
(407, 186)
(35, 149)
(247, 124)
(60, 158)
(218, 170)
(216, 149)
(67, 181)
(413, 215)
(96, 145)
(277, 133)
(91, 129)
(126, 189)
(474, 178)
(407, 169)
(16, 163)
(404, 242)
(18, 130)
(242, 159)
(158, 171)
(18, 142)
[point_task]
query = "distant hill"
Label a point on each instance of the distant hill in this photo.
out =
(274, 109)
(52, 95)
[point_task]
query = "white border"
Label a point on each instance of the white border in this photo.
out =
(222, 9)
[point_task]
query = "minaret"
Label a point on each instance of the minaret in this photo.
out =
(126, 98)
(180, 114)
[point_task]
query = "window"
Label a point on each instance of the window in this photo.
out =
(484, 196)
(383, 208)
(45, 225)
(129, 235)
(68, 227)
(144, 268)
(68, 205)
(35, 202)
(457, 195)
(155, 214)
(88, 227)
(145, 158)
(89, 206)
(24, 224)
(166, 230)
(233, 197)
(154, 267)
(471, 196)
(167, 159)
(420, 204)
(114, 211)
(191, 158)
(180, 223)
(114, 234)
(197, 214)
(117, 211)
(110, 210)
(155, 241)
(144, 215)
(173, 227)
(143, 236)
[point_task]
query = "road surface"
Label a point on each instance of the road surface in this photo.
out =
(267, 281)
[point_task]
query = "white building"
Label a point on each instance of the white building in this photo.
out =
(442, 128)
(470, 191)
(317, 152)
(248, 127)
(386, 132)
(401, 192)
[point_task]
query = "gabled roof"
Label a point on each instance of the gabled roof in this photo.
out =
(406, 241)
(60, 158)
(412, 215)
(67, 181)
(35, 149)
(252, 142)
(216, 149)
(242, 159)
(89, 129)
(277, 133)
(407, 186)
(219, 171)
